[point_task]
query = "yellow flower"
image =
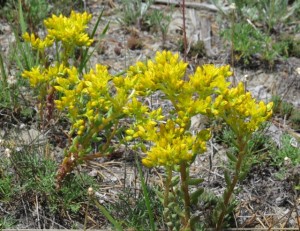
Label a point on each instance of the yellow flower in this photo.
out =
(210, 79)
(35, 76)
(165, 73)
(241, 112)
(70, 31)
(48, 76)
(171, 145)
(38, 43)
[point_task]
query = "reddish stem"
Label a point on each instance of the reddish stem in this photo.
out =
(184, 31)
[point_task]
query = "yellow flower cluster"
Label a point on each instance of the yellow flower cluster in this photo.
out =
(71, 31)
(172, 144)
(37, 43)
(165, 73)
(90, 101)
(209, 79)
(84, 98)
(240, 110)
(37, 76)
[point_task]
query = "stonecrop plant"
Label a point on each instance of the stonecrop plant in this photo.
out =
(69, 33)
(96, 103)
(173, 145)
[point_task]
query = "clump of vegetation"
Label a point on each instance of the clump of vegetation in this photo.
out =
(256, 30)
(138, 13)
(287, 156)
(34, 12)
(160, 21)
(131, 211)
(281, 107)
(96, 103)
(29, 174)
(134, 12)
(295, 119)
(197, 50)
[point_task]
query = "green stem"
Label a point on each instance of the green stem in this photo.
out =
(167, 184)
(230, 188)
(146, 195)
(186, 195)
(167, 187)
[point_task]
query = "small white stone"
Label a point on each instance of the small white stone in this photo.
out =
(91, 191)
(22, 126)
(7, 152)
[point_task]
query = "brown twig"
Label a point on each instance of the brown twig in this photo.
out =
(184, 31)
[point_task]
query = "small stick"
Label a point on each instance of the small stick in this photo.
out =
(184, 31)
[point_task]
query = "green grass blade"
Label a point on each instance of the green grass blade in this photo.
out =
(116, 224)
(5, 97)
(23, 48)
(97, 24)
(105, 30)
(146, 195)
(86, 56)
(21, 18)
(3, 72)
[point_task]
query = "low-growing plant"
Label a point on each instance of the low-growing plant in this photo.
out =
(292, 45)
(65, 7)
(161, 21)
(286, 109)
(262, 22)
(282, 107)
(286, 150)
(96, 103)
(276, 99)
(34, 175)
(295, 118)
(35, 11)
(197, 49)
(6, 190)
(174, 147)
(7, 222)
(131, 211)
(134, 12)
(286, 157)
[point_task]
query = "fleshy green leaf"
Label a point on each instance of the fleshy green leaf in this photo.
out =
(231, 157)
(175, 180)
(195, 195)
(195, 181)
(227, 177)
